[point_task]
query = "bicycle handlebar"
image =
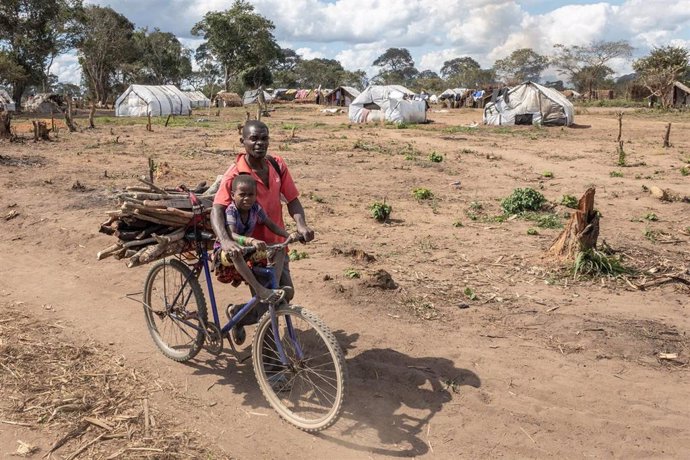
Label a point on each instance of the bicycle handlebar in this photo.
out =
(249, 250)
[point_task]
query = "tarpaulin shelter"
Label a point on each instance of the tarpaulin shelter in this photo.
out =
(252, 97)
(390, 103)
(6, 102)
(341, 96)
(45, 103)
(530, 103)
(141, 100)
(197, 99)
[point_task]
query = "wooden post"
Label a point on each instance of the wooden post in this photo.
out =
(148, 125)
(5, 121)
(667, 140)
(620, 126)
(92, 113)
(167, 120)
(152, 169)
(581, 232)
(52, 121)
(68, 116)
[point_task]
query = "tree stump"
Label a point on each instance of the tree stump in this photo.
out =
(581, 232)
(40, 131)
(5, 121)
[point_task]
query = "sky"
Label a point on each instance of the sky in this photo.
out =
(356, 32)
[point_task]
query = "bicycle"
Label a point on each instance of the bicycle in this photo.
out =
(297, 361)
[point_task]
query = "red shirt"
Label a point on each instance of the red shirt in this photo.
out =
(268, 195)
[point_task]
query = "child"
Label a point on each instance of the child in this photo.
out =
(241, 216)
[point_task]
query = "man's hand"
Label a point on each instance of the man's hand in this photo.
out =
(306, 232)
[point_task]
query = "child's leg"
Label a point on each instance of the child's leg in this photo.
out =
(246, 273)
(278, 262)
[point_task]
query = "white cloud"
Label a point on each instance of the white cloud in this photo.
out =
(66, 67)
(356, 32)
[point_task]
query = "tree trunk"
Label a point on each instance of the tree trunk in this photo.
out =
(581, 232)
(41, 131)
(69, 121)
(17, 93)
(5, 120)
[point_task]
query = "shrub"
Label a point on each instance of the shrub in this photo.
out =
(569, 201)
(435, 157)
(616, 174)
(521, 200)
(422, 194)
(380, 211)
(595, 263)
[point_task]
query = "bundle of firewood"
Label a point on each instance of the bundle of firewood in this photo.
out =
(152, 221)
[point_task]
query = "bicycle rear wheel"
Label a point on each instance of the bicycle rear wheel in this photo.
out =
(175, 310)
(309, 391)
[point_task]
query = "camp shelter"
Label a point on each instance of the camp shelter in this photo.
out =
(141, 100)
(681, 95)
(341, 96)
(45, 103)
(227, 99)
(452, 93)
(529, 103)
(252, 97)
(197, 99)
(6, 102)
(390, 103)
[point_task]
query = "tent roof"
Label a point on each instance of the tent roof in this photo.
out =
(681, 86)
(155, 92)
(550, 93)
(196, 96)
(5, 97)
(348, 89)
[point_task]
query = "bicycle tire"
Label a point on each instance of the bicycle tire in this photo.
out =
(158, 318)
(266, 369)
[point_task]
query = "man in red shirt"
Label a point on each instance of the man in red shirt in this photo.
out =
(271, 182)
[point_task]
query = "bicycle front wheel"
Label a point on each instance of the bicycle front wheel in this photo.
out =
(309, 390)
(175, 310)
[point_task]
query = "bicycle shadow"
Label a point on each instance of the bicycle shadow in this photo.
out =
(391, 398)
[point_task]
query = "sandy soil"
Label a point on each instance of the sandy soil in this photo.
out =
(538, 365)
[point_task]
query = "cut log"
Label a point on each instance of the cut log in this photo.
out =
(581, 232)
(41, 132)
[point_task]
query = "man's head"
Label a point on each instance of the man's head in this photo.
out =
(255, 139)
(244, 191)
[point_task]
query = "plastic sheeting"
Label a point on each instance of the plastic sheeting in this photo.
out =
(6, 102)
(252, 97)
(140, 100)
(530, 103)
(389, 103)
(197, 99)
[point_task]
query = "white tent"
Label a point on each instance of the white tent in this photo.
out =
(140, 100)
(451, 93)
(6, 102)
(197, 99)
(530, 103)
(391, 103)
(252, 97)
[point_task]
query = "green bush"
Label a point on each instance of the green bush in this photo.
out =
(595, 263)
(521, 200)
(422, 194)
(435, 157)
(380, 210)
(569, 201)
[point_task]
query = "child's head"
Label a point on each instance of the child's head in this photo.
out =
(244, 191)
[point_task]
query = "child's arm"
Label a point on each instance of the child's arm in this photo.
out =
(275, 228)
(244, 240)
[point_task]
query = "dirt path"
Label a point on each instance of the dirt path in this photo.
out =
(539, 365)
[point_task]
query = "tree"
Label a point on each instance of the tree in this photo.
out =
(522, 65)
(397, 67)
(465, 72)
(32, 33)
(161, 58)
(104, 46)
(429, 81)
(311, 73)
(583, 65)
(257, 76)
(238, 39)
(658, 71)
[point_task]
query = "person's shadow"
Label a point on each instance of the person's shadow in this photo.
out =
(391, 398)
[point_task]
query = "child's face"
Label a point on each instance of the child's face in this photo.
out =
(244, 197)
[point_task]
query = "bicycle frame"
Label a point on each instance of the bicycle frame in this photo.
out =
(202, 264)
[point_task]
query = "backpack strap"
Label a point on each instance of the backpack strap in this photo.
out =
(274, 162)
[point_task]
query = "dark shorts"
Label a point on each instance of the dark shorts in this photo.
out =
(257, 312)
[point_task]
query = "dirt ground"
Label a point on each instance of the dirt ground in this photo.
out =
(485, 349)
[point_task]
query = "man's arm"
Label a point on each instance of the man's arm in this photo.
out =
(296, 211)
(218, 224)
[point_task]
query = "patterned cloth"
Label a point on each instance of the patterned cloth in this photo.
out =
(233, 219)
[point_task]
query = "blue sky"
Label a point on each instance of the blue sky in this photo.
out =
(355, 31)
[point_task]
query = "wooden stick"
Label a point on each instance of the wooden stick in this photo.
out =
(147, 426)
(76, 453)
(667, 141)
(109, 251)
